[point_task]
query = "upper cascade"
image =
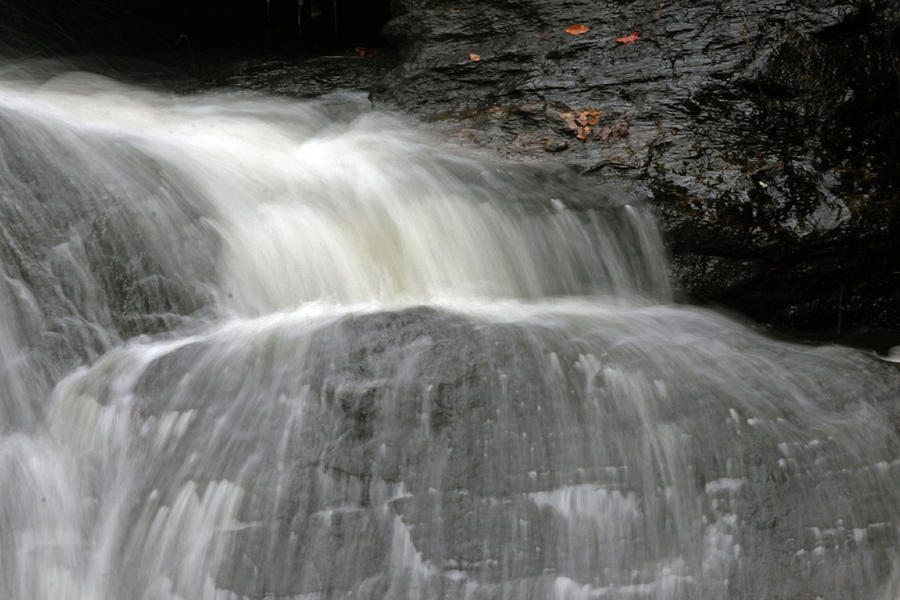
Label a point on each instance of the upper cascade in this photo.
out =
(331, 201)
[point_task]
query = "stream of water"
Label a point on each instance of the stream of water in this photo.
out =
(270, 349)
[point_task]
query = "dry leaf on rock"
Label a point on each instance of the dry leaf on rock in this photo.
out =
(582, 122)
(577, 29)
(629, 39)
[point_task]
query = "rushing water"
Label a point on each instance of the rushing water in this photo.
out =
(260, 348)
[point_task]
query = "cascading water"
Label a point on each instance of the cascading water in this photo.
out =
(259, 348)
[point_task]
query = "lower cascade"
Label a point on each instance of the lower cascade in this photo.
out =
(269, 349)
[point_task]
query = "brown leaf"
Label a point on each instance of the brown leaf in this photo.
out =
(577, 29)
(582, 122)
(629, 39)
(474, 57)
(455, 10)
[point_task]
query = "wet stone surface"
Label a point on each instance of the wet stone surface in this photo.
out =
(421, 450)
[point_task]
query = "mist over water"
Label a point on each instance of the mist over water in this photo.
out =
(261, 348)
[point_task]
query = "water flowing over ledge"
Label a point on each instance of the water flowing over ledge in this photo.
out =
(253, 348)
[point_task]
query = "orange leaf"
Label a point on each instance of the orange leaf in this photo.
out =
(577, 29)
(582, 122)
(629, 39)
(474, 57)
(360, 50)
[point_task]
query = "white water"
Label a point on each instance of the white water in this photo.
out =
(218, 380)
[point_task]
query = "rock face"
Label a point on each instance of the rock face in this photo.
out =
(764, 132)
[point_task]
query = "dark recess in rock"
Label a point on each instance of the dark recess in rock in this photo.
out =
(151, 26)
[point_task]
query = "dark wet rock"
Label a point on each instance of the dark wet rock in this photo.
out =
(308, 77)
(764, 132)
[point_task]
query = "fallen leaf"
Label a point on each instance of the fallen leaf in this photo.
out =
(582, 122)
(474, 57)
(577, 29)
(629, 39)
(455, 10)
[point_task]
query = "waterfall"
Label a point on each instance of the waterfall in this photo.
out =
(261, 348)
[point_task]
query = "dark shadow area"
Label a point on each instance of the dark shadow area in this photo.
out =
(327, 25)
(142, 27)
